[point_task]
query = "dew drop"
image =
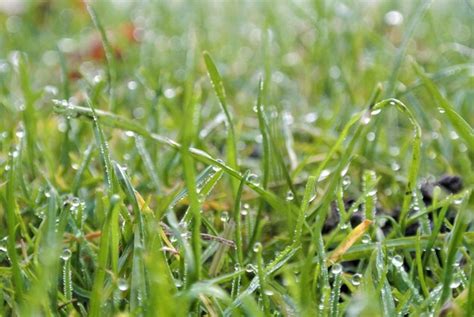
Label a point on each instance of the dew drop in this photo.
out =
(370, 136)
(365, 238)
(66, 254)
(441, 110)
(365, 119)
(178, 283)
(453, 135)
(132, 85)
(393, 18)
(122, 284)
(346, 182)
(290, 196)
(456, 282)
(51, 90)
(253, 179)
(324, 174)
(375, 112)
(257, 247)
(311, 117)
(249, 268)
(224, 216)
(344, 226)
(394, 166)
(336, 269)
(169, 93)
(268, 292)
(356, 279)
(20, 134)
(244, 212)
(397, 261)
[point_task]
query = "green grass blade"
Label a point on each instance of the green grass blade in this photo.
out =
(218, 86)
(463, 219)
(463, 128)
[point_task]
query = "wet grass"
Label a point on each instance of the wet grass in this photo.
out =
(255, 158)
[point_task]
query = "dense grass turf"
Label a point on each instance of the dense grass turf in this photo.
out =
(307, 158)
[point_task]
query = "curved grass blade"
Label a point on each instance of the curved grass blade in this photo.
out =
(218, 86)
(116, 121)
(463, 128)
(457, 235)
(109, 56)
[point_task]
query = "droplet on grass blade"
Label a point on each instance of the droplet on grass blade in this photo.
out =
(122, 284)
(365, 238)
(66, 254)
(455, 283)
(336, 269)
(224, 216)
(356, 279)
(397, 261)
(253, 179)
(257, 247)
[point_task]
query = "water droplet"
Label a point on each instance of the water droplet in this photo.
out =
(393, 18)
(122, 284)
(224, 216)
(290, 196)
(132, 85)
(456, 282)
(169, 93)
(394, 166)
(311, 117)
(370, 136)
(178, 283)
(257, 247)
(97, 79)
(20, 134)
(365, 119)
(375, 112)
(216, 168)
(458, 201)
(268, 292)
(356, 279)
(453, 135)
(66, 254)
(324, 174)
(394, 151)
(51, 90)
(441, 110)
(255, 109)
(365, 238)
(249, 268)
(344, 226)
(129, 134)
(47, 194)
(346, 182)
(336, 269)
(253, 179)
(244, 212)
(397, 261)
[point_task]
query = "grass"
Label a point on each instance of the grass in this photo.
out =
(237, 158)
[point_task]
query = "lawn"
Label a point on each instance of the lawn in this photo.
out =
(236, 158)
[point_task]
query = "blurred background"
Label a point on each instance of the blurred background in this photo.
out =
(322, 60)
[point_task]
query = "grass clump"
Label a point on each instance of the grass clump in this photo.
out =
(254, 158)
